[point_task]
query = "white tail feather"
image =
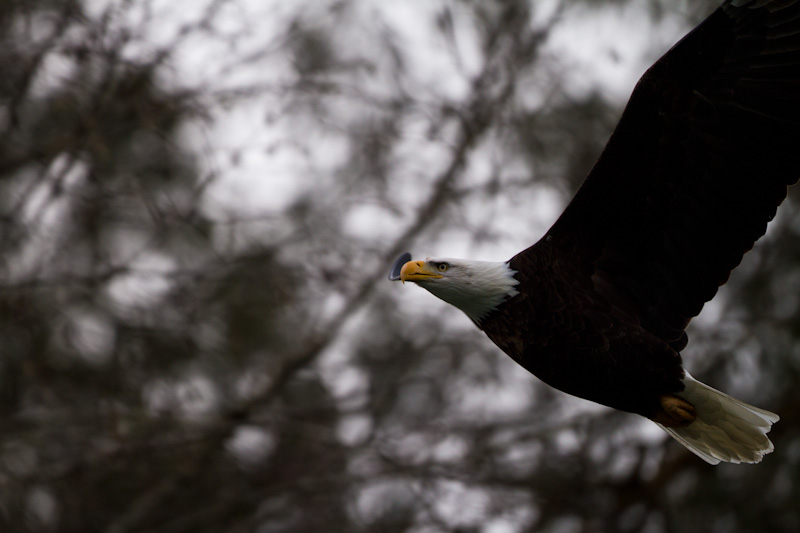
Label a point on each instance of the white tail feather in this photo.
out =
(725, 429)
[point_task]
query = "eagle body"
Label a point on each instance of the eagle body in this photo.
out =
(700, 161)
(568, 335)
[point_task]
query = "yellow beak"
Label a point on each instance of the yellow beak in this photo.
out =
(417, 271)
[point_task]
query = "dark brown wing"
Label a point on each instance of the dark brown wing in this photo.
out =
(696, 168)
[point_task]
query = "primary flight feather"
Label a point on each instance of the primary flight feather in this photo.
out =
(696, 168)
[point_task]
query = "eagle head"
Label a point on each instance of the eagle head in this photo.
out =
(475, 287)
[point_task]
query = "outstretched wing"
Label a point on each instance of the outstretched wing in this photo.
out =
(696, 168)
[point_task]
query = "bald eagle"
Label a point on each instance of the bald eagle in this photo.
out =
(697, 166)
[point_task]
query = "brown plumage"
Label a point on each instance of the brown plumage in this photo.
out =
(694, 171)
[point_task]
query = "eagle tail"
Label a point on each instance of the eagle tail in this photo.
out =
(725, 429)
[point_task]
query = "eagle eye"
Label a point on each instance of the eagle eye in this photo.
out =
(442, 267)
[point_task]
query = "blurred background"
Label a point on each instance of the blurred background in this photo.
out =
(199, 204)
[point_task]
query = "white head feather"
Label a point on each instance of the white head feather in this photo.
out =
(475, 287)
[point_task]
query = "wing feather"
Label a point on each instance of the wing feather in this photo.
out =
(695, 170)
